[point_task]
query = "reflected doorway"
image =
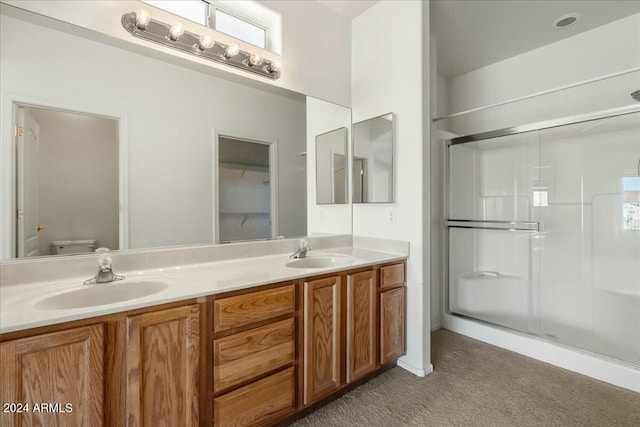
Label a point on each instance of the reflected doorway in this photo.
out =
(67, 182)
(246, 205)
(359, 179)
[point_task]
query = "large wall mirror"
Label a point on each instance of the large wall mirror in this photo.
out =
(373, 160)
(331, 167)
(131, 150)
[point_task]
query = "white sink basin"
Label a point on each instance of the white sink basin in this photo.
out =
(322, 261)
(101, 294)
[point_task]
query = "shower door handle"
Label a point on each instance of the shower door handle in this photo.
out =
(494, 225)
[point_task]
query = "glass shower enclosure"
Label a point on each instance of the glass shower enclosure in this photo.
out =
(544, 231)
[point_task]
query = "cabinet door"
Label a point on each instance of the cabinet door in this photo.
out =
(62, 369)
(321, 338)
(361, 324)
(392, 324)
(162, 367)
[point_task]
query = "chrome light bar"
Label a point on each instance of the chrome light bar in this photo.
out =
(197, 45)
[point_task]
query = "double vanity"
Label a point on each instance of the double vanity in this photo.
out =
(244, 341)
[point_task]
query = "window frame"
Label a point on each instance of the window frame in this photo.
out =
(211, 23)
(251, 11)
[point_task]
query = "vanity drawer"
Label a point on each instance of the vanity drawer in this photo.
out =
(243, 310)
(392, 275)
(257, 404)
(239, 358)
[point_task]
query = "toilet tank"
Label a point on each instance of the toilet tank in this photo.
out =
(72, 246)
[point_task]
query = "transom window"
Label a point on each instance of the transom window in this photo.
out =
(246, 20)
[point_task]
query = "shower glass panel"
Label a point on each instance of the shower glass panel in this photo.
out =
(491, 201)
(490, 276)
(493, 179)
(590, 249)
(544, 233)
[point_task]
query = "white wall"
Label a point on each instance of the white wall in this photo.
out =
(602, 51)
(442, 96)
(323, 117)
(78, 191)
(316, 50)
(315, 41)
(170, 113)
(388, 75)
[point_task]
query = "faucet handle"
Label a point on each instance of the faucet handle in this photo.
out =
(303, 244)
(104, 257)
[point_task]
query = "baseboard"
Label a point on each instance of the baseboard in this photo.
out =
(435, 327)
(421, 372)
(573, 359)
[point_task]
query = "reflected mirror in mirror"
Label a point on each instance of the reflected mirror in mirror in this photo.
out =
(167, 113)
(331, 167)
(373, 160)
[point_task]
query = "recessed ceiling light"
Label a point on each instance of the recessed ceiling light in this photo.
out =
(566, 20)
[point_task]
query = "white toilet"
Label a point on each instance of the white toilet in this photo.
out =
(72, 246)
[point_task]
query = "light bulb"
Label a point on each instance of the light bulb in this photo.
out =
(231, 50)
(275, 66)
(142, 19)
(255, 60)
(206, 42)
(176, 31)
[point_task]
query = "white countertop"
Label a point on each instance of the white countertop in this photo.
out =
(17, 311)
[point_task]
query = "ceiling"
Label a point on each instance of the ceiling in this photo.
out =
(348, 8)
(471, 34)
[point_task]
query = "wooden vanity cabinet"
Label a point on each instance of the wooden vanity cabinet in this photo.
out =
(362, 325)
(61, 372)
(162, 367)
(392, 312)
(254, 356)
(322, 338)
(248, 358)
(353, 324)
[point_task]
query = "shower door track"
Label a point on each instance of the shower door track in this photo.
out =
(547, 124)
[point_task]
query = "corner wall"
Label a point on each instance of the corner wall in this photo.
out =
(389, 53)
(323, 117)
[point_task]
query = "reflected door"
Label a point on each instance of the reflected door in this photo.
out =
(359, 180)
(245, 201)
(28, 134)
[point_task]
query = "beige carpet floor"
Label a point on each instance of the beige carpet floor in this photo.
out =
(476, 384)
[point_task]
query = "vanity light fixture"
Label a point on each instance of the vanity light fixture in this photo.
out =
(175, 31)
(231, 50)
(206, 42)
(142, 19)
(255, 60)
(140, 24)
(275, 66)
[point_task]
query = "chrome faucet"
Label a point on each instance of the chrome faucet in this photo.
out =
(301, 251)
(105, 273)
